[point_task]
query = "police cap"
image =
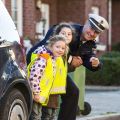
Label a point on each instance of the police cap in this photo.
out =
(98, 23)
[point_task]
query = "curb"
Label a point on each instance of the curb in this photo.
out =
(102, 117)
(102, 88)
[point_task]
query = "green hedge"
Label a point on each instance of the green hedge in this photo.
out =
(110, 72)
(116, 47)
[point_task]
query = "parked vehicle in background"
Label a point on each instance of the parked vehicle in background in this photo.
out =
(15, 92)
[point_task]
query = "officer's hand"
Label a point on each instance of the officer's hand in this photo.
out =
(76, 61)
(94, 61)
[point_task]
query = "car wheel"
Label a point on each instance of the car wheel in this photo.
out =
(14, 106)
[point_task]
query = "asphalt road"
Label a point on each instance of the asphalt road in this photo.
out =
(103, 100)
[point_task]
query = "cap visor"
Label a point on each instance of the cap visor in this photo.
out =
(94, 27)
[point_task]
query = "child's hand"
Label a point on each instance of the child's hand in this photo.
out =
(95, 61)
(36, 97)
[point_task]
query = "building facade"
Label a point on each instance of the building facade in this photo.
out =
(34, 17)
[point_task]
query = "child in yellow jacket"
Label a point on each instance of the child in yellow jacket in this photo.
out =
(42, 72)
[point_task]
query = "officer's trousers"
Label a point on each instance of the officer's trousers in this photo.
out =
(68, 106)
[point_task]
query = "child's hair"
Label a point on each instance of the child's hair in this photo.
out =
(59, 27)
(55, 39)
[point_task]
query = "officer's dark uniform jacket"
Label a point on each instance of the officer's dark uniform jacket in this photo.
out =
(85, 50)
(77, 48)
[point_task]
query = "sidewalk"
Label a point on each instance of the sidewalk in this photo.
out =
(102, 88)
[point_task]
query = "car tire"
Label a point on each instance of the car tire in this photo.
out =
(14, 106)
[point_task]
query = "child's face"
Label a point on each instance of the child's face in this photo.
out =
(59, 48)
(67, 32)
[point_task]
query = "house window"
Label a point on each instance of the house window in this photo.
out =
(3, 1)
(43, 25)
(95, 10)
(16, 8)
(100, 46)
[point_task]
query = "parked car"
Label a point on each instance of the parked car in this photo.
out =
(15, 92)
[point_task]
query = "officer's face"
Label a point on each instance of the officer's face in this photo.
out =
(89, 33)
(67, 32)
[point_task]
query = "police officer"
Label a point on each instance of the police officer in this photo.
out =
(81, 52)
(85, 43)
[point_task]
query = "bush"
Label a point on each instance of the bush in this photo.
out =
(110, 72)
(116, 47)
(112, 54)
